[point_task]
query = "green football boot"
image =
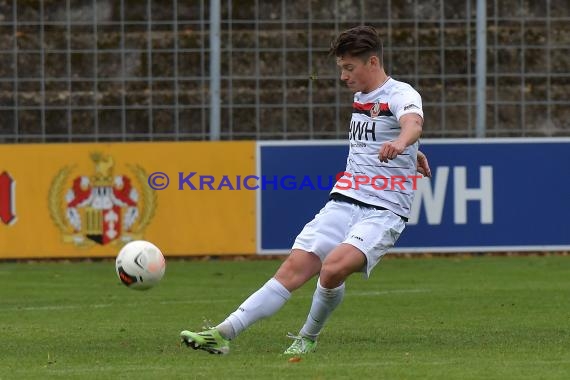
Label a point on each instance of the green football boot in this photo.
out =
(301, 345)
(209, 340)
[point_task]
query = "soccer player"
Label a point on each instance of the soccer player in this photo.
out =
(360, 222)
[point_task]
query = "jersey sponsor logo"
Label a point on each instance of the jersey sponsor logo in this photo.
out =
(103, 207)
(362, 130)
(411, 106)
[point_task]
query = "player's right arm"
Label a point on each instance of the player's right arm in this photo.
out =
(406, 105)
(411, 130)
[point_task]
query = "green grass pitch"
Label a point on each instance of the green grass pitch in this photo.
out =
(490, 317)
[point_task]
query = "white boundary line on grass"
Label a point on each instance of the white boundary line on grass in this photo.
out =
(105, 305)
(279, 364)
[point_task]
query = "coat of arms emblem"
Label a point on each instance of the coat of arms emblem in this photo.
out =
(101, 208)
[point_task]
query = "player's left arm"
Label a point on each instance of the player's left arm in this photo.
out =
(411, 130)
(423, 164)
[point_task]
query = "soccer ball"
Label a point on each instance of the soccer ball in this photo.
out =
(140, 265)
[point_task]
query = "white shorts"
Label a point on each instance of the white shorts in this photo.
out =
(370, 230)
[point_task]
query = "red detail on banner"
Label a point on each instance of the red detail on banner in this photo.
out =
(7, 212)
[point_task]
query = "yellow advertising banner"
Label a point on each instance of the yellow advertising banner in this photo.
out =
(88, 199)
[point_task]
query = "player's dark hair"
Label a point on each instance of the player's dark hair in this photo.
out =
(361, 41)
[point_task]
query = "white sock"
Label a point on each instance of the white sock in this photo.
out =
(263, 303)
(324, 303)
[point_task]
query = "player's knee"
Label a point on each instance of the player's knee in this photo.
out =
(333, 275)
(286, 270)
(295, 271)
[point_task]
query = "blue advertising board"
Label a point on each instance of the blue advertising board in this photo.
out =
(484, 195)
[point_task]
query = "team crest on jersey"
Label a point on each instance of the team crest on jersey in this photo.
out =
(378, 109)
(103, 207)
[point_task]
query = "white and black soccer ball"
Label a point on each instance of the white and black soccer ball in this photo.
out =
(140, 265)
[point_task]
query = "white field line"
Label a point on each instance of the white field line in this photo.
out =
(280, 363)
(105, 305)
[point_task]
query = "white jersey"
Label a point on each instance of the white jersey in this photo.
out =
(374, 121)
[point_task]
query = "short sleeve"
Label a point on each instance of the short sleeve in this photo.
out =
(404, 101)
